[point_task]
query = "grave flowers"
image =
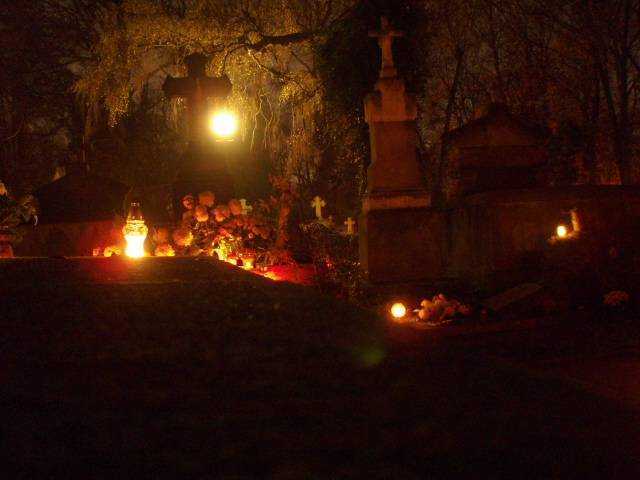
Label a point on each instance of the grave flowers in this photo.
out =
(235, 231)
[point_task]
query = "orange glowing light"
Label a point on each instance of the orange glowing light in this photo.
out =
(398, 310)
(135, 232)
(561, 231)
(224, 124)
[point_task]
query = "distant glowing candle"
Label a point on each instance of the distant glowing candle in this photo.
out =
(398, 310)
(135, 232)
(561, 231)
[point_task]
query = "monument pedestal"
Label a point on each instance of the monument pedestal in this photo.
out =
(202, 168)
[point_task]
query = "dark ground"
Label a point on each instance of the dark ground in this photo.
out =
(180, 368)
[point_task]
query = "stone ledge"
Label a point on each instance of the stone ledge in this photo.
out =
(418, 199)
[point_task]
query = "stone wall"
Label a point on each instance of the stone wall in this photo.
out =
(67, 239)
(499, 236)
(402, 245)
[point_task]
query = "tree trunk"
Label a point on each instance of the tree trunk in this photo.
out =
(453, 92)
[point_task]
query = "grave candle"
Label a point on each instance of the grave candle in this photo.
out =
(135, 232)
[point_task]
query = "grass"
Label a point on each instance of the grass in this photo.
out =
(182, 368)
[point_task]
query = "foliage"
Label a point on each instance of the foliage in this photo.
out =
(300, 71)
(335, 258)
(14, 213)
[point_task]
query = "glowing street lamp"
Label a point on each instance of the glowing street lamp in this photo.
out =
(224, 125)
(135, 232)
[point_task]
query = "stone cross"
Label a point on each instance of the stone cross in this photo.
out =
(385, 37)
(246, 208)
(196, 87)
(318, 204)
(350, 223)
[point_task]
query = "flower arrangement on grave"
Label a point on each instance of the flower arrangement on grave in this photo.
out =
(441, 309)
(234, 231)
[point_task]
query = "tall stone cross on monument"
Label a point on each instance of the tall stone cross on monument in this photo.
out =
(385, 37)
(203, 165)
(393, 231)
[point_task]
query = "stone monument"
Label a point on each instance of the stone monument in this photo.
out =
(394, 226)
(203, 165)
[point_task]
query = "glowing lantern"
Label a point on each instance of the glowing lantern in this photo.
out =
(398, 310)
(561, 231)
(135, 232)
(224, 125)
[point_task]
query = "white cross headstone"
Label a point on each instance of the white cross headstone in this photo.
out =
(246, 208)
(318, 204)
(350, 223)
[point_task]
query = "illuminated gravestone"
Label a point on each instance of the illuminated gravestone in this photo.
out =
(350, 224)
(318, 204)
(203, 165)
(246, 208)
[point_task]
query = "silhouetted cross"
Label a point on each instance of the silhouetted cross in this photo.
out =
(385, 37)
(196, 87)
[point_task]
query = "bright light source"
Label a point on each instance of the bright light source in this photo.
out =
(135, 245)
(561, 231)
(135, 232)
(398, 310)
(224, 124)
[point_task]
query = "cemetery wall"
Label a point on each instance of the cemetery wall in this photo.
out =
(499, 237)
(67, 238)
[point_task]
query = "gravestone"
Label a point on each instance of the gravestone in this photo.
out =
(203, 166)
(393, 224)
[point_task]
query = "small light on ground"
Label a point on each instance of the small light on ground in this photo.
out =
(398, 310)
(561, 231)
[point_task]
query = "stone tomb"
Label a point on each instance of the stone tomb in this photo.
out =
(77, 214)
(496, 151)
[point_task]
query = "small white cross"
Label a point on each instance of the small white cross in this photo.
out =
(350, 223)
(318, 203)
(246, 208)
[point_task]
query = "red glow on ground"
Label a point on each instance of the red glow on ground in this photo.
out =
(299, 274)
